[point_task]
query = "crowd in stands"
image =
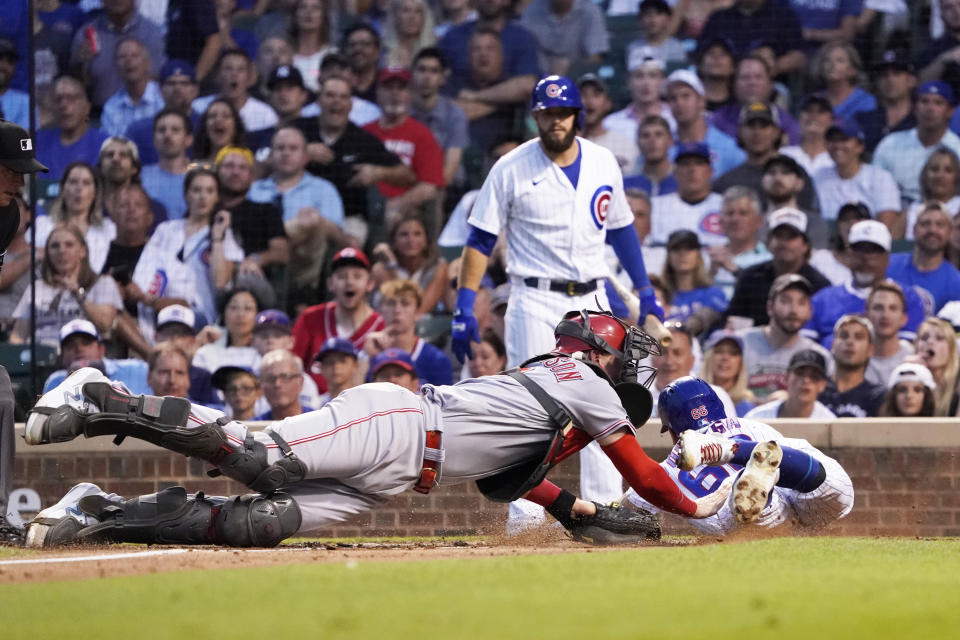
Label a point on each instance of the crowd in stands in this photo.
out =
(257, 204)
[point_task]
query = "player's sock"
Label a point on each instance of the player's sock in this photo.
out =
(798, 470)
(558, 502)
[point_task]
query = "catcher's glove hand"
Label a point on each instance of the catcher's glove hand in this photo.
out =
(612, 524)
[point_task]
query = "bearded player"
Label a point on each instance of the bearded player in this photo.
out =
(558, 198)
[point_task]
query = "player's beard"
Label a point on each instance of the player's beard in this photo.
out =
(553, 145)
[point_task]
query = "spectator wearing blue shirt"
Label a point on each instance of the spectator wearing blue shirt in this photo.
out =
(163, 181)
(742, 22)
(14, 104)
(394, 366)
(178, 86)
(72, 138)
(894, 80)
(139, 97)
(753, 83)
(824, 21)
(281, 375)
(80, 340)
(656, 173)
(840, 70)
(941, 52)
(937, 281)
(690, 295)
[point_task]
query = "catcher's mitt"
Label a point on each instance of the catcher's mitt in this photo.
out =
(613, 524)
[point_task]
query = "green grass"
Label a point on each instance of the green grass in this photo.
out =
(810, 588)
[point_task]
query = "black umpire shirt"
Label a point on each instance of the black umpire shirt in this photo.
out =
(9, 223)
(753, 286)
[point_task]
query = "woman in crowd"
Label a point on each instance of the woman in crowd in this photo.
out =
(489, 357)
(311, 37)
(723, 366)
(66, 289)
(939, 181)
(839, 68)
(408, 28)
(80, 203)
(909, 394)
(835, 262)
(188, 260)
(235, 344)
(219, 126)
(691, 297)
(936, 348)
(410, 253)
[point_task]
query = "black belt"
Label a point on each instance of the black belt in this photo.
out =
(568, 287)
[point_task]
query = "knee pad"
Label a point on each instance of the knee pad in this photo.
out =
(248, 464)
(256, 520)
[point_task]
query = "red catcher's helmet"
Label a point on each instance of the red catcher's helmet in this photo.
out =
(589, 330)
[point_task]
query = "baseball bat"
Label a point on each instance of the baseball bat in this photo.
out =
(651, 324)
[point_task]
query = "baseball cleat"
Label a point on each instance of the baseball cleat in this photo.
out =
(58, 525)
(751, 492)
(702, 448)
(58, 415)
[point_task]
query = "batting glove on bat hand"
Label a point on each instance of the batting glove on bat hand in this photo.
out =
(614, 524)
(649, 304)
(463, 330)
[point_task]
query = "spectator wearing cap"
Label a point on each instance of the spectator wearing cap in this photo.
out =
(178, 87)
(349, 312)
(340, 367)
(849, 394)
(894, 83)
(788, 243)
(839, 69)
(396, 367)
(886, 306)
(234, 342)
(870, 241)
(71, 138)
(139, 97)
(287, 93)
(241, 391)
(399, 306)
(941, 53)
(834, 262)
(80, 340)
(596, 105)
(95, 43)
(362, 111)
(925, 268)
(723, 366)
(741, 218)
(939, 182)
(163, 180)
(688, 286)
(271, 331)
(679, 359)
(281, 374)
(806, 380)
(903, 153)
(568, 32)
(752, 83)
(645, 82)
(233, 76)
(852, 180)
(777, 22)
(169, 372)
(521, 68)
(177, 326)
(654, 142)
(687, 100)
(716, 68)
(909, 393)
(14, 104)
(816, 116)
(767, 349)
(693, 206)
(409, 139)
(657, 26)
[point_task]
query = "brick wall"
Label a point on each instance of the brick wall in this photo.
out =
(906, 477)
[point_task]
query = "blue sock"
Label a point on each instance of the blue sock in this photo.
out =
(798, 470)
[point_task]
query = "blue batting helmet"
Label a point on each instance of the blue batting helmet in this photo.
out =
(555, 91)
(688, 403)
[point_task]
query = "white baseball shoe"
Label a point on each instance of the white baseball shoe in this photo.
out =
(752, 489)
(50, 421)
(58, 525)
(702, 448)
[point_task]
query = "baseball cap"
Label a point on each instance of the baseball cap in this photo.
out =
(854, 211)
(592, 79)
(394, 73)
(177, 313)
(16, 149)
(719, 336)
(785, 161)
(951, 313)
(349, 256)
(716, 41)
(222, 375)
(335, 343)
(912, 372)
(273, 319)
(177, 68)
(936, 88)
(759, 111)
(78, 325)
(789, 281)
(642, 56)
(808, 358)
(847, 128)
(8, 48)
(894, 59)
(386, 357)
(689, 78)
(789, 216)
(659, 6)
(683, 239)
(872, 231)
(854, 317)
(692, 149)
(816, 99)
(285, 73)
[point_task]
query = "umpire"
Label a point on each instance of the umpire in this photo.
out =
(16, 159)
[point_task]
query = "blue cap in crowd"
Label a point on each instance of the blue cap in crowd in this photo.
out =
(273, 319)
(848, 128)
(936, 88)
(386, 357)
(222, 376)
(177, 68)
(338, 345)
(692, 149)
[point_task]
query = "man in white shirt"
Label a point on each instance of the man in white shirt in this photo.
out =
(886, 310)
(645, 83)
(806, 379)
(693, 206)
(234, 77)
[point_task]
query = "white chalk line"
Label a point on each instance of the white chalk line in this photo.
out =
(102, 556)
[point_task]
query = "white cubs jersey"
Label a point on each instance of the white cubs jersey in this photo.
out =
(553, 230)
(670, 213)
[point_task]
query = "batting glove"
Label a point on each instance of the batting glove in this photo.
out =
(463, 330)
(649, 304)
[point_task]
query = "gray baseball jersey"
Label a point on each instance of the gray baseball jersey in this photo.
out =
(767, 365)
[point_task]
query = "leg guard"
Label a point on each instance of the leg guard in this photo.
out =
(172, 517)
(163, 422)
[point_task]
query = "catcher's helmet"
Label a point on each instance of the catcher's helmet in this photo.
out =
(589, 330)
(688, 403)
(555, 91)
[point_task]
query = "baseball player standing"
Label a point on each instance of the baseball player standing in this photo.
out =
(558, 198)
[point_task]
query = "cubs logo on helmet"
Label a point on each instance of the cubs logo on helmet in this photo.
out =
(555, 91)
(599, 204)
